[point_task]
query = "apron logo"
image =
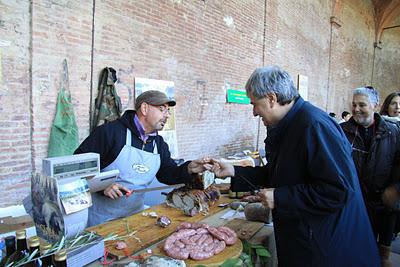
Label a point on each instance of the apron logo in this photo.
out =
(140, 168)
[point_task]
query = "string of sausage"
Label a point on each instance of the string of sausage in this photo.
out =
(198, 241)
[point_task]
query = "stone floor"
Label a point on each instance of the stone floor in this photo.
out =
(395, 256)
(395, 259)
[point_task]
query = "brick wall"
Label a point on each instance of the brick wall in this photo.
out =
(205, 47)
(15, 101)
(351, 50)
(386, 77)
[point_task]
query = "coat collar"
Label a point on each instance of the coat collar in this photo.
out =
(127, 120)
(276, 132)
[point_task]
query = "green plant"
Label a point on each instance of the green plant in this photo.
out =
(255, 251)
(80, 240)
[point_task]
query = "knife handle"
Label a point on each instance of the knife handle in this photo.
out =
(127, 193)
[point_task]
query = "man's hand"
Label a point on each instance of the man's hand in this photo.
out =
(390, 196)
(115, 191)
(267, 197)
(220, 169)
(197, 166)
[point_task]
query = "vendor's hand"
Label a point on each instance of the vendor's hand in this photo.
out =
(220, 169)
(198, 165)
(267, 197)
(390, 196)
(115, 191)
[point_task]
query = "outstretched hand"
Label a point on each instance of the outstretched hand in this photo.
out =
(198, 165)
(220, 169)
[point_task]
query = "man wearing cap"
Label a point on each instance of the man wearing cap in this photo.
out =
(131, 145)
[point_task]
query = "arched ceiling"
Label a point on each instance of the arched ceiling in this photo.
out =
(386, 11)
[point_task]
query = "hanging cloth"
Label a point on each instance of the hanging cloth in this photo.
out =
(108, 105)
(64, 131)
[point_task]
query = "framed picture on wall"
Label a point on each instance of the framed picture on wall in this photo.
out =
(302, 86)
(167, 87)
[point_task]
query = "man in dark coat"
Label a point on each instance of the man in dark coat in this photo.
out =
(310, 181)
(376, 152)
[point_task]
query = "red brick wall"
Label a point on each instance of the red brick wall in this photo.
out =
(352, 50)
(15, 101)
(203, 46)
(188, 43)
(387, 65)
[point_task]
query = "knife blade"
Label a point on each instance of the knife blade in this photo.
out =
(157, 188)
(254, 188)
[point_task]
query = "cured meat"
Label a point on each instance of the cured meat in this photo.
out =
(224, 234)
(163, 221)
(198, 241)
(120, 245)
(193, 201)
(202, 181)
(251, 199)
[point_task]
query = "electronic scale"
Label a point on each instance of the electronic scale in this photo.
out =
(69, 166)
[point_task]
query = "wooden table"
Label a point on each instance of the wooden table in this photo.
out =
(151, 236)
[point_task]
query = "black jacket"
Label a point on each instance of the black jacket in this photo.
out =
(319, 216)
(379, 168)
(109, 139)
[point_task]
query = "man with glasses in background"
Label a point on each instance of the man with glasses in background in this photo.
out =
(376, 151)
(131, 145)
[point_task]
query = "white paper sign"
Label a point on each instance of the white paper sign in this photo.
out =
(302, 86)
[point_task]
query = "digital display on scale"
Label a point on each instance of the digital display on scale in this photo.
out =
(71, 167)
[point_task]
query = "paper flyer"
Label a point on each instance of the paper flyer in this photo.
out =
(75, 196)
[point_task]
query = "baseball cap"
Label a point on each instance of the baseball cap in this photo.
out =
(155, 98)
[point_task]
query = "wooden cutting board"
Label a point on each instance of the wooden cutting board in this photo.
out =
(147, 232)
(244, 229)
(230, 252)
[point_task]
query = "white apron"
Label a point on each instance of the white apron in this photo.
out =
(138, 169)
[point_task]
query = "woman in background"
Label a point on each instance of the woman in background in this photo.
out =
(390, 109)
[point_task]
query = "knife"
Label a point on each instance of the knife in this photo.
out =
(256, 189)
(154, 189)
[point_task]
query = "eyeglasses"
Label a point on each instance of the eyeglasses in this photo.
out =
(162, 109)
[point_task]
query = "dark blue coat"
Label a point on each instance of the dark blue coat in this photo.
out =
(319, 216)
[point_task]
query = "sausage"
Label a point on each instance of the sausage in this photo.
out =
(169, 242)
(218, 234)
(201, 255)
(209, 240)
(195, 238)
(231, 235)
(184, 225)
(219, 247)
(209, 247)
(188, 240)
(198, 241)
(227, 230)
(202, 239)
(180, 254)
(192, 247)
(199, 225)
(200, 231)
(184, 233)
(179, 244)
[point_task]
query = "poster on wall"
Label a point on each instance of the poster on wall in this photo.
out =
(167, 87)
(302, 86)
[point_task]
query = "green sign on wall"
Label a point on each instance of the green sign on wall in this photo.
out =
(236, 96)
